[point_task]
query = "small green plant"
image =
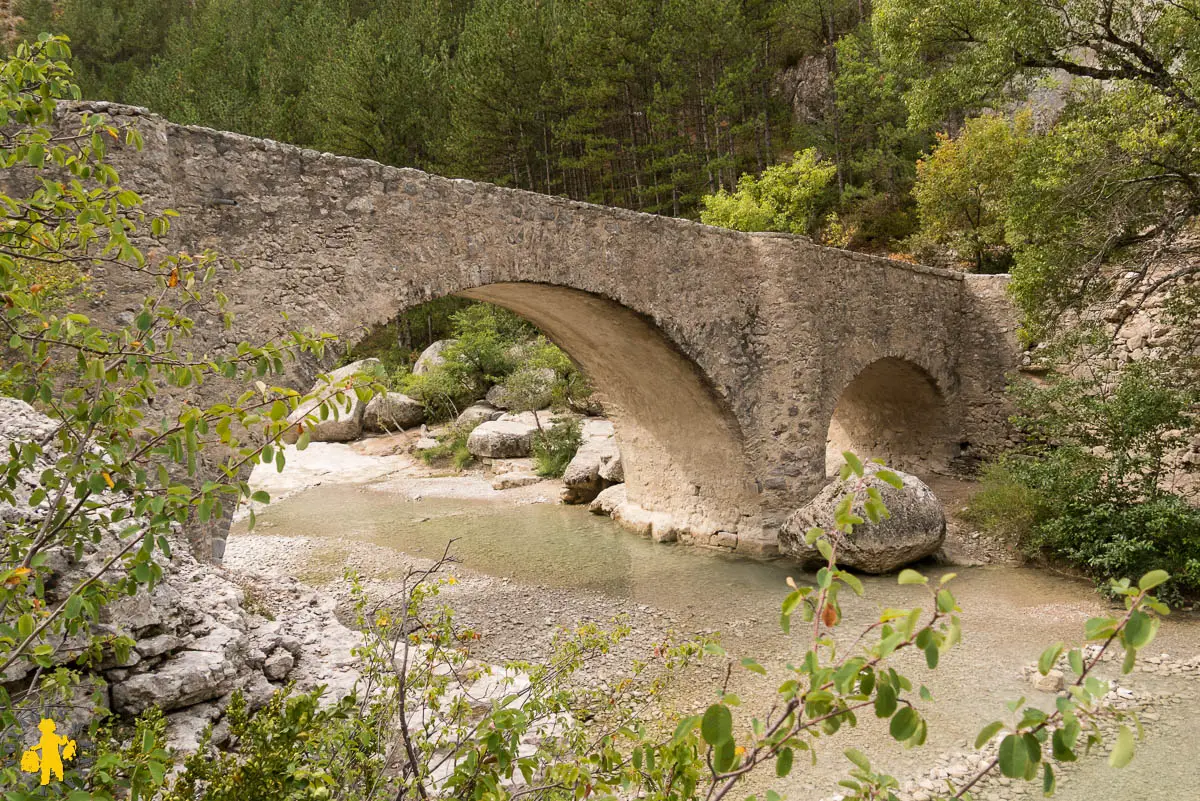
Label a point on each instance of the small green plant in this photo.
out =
(452, 446)
(555, 447)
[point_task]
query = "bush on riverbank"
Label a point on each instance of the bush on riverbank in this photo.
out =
(452, 445)
(1089, 487)
(555, 447)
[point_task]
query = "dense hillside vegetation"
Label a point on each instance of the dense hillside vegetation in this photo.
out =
(648, 104)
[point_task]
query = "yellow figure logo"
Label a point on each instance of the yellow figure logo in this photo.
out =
(50, 761)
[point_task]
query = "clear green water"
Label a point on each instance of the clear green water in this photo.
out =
(1009, 613)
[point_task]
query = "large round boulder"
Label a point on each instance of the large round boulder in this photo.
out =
(392, 411)
(478, 413)
(915, 529)
(432, 356)
(344, 421)
(501, 439)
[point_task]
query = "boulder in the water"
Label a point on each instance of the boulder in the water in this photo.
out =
(915, 529)
(581, 478)
(608, 500)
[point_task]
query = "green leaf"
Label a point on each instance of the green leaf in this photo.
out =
(724, 755)
(783, 763)
(1139, 630)
(910, 576)
(855, 464)
(1122, 752)
(1049, 785)
(1153, 579)
(987, 733)
(753, 666)
(889, 477)
(1099, 628)
(717, 725)
(825, 548)
(1062, 742)
(945, 602)
(904, 724)
(1014, 757)
(858, 758)
(685, 727)
(1049, 657)
(885, 701)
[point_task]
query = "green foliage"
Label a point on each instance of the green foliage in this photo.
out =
(399, 342)
(1089, 487)
(787, 197)
(452, 446)
(491, 347)
(555, 447)
(113, 41)
(297, 746)
(963, 189)
(1115, 170)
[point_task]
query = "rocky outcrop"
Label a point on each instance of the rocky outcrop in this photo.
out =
(514, 479)
(582, 478)
(432, 356)
(612, 471)
(915, 529)
(198, 636)
(501, 439)
(392, 411)
(20, 422)
(345, 420)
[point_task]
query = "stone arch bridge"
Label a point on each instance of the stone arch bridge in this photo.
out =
(721, 356)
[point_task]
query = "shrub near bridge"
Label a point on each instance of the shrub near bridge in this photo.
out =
(1089, 488)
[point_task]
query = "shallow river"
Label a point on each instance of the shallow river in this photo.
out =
(1009, 615)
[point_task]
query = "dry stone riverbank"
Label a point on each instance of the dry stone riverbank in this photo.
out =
(529, 564)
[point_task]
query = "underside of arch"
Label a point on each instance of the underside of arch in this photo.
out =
(891, 410)
(682, 449)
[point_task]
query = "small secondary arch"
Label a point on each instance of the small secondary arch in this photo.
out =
(892, 410)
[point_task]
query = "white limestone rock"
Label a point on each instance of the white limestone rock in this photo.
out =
(501, 439)
(392, 411)
(432, 356)
(915, 529)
